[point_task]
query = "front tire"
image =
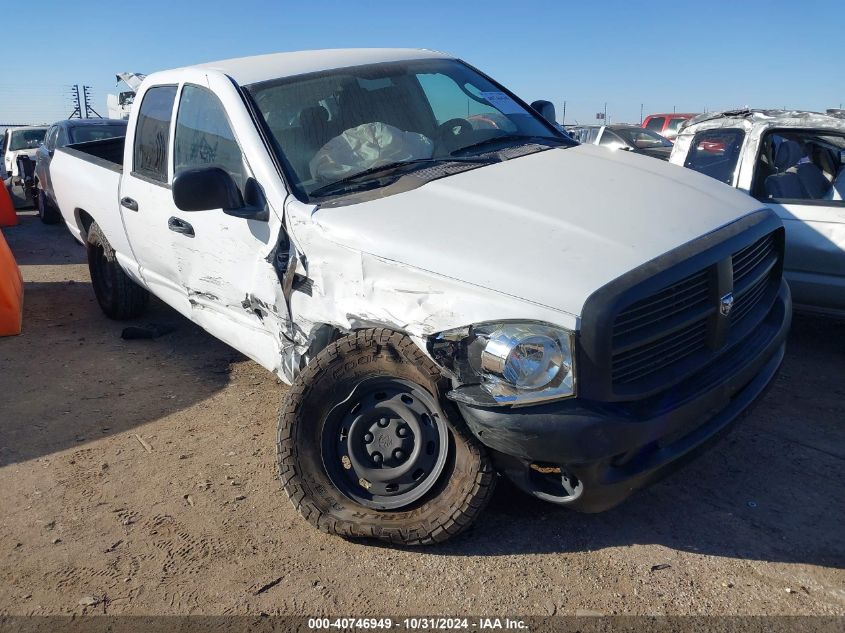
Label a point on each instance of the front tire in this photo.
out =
(365, 450)
(47, 211)
(119, 297)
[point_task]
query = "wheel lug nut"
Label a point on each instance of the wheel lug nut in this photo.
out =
(377, 458)
(383, 422)
(368, 437)
(398, 454)
(402, 431)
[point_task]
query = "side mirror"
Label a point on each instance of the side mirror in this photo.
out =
(207, 188)
(546, 109)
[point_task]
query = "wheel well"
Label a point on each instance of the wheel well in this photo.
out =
(84, 220)
(321, 337)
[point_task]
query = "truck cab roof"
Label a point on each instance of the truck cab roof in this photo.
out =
(257, 68)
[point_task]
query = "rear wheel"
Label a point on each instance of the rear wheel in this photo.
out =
(47, 211)
(119, 297)
(366, 450)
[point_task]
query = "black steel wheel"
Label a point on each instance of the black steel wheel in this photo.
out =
(386, 444)
(366, 448)
(119, 297)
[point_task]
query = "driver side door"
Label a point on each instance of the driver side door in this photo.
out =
(221, 260)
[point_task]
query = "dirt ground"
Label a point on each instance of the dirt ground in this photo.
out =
(139, 475)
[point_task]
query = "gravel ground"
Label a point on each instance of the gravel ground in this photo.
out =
(139, 475)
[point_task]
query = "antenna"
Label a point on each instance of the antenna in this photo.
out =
(86, 91)
(77, 110)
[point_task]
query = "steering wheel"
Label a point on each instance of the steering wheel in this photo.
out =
(452, 130)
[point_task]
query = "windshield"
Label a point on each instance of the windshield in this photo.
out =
(330, 126)
(85, 133)
(26, 139)
(642, 138)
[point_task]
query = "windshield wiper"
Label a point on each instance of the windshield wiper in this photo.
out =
(351, 182)
(509, 138)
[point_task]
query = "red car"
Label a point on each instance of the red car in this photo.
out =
(666, 124)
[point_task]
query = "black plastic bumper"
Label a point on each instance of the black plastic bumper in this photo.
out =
(604, 452)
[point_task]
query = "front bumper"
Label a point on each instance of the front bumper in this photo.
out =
(591, 456)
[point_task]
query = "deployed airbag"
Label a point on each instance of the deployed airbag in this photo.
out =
(366, 146)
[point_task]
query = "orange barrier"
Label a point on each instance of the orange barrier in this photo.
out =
(8, 217)
(11, 291)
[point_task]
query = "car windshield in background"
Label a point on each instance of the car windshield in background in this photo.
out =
(26, 139)
(85, 133)
(716, 153)
(331, 127)
(642, 138)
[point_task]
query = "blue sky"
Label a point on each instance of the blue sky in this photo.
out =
(686, 55)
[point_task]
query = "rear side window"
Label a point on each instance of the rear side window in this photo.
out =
(204, 136)
(674, 124)
(152, 132)
(716, 153)
(655, 124)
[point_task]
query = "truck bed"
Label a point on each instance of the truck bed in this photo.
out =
(105, 152)
(86, 183)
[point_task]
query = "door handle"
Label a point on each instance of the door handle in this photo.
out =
(178, 225)
(129, 203)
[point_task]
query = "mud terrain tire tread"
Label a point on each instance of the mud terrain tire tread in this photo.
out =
(443, 515)
(119, 297)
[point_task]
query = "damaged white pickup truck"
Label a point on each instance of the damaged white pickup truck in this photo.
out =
(452, 287)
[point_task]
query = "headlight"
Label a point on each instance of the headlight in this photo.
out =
(510, 363)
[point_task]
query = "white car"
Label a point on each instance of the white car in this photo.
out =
(447, 300)
(19, 141)
(794, 162)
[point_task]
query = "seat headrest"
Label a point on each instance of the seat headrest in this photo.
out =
(313, 116)
(788, 154)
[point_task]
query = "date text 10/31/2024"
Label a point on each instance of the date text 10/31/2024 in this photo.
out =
(418, 623)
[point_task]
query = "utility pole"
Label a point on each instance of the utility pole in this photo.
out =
(563, 120)
(641, 113)
(605, 112)
(77, 109)
(86, 91)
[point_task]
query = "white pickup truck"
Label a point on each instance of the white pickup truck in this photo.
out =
(452, 287)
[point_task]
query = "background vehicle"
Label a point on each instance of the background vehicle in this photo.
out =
(18, 142)
(666, 125)
(625, 137)
(795, 163)
(119, 105)
(527, 304)
(61, 134)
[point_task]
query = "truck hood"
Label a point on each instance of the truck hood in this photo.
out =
(133, 80)
(550, 228)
